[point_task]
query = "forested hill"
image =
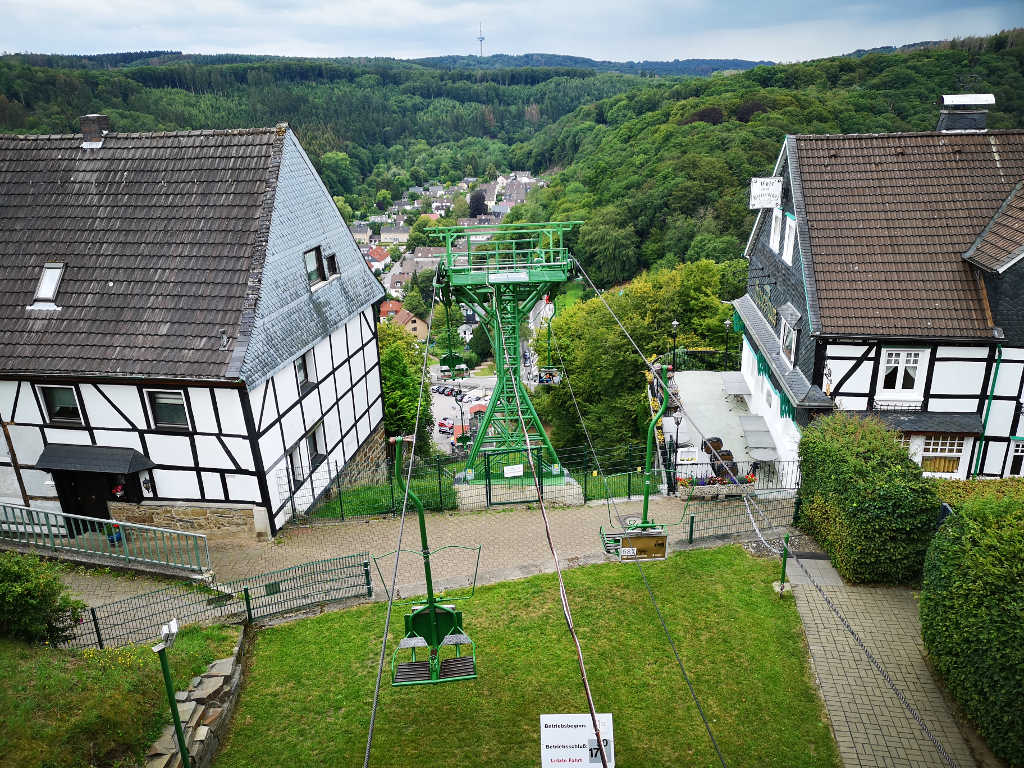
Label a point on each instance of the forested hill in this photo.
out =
(661, 174)
(699, 67)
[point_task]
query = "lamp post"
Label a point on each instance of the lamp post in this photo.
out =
(167, 635)
(675, 331)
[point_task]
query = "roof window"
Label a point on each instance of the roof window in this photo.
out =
(46, 289)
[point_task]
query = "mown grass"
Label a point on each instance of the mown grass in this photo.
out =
(384, 498)
(307, 698)
(72, 709)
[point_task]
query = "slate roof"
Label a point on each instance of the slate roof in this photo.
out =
(1001, 244)
(799, 390)
(929, 421)
(888, 218)
(93, 458)
(160, 235)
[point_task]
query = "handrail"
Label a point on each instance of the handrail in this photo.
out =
(121, 541)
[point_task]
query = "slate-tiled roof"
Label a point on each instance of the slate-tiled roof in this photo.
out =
(889, 218)
(1001, 243)
(159, 235)
(929, 421)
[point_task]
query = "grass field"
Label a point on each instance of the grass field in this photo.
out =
(72, 709)
(310, 684)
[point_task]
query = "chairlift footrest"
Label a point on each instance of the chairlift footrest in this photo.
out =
(412, 672)
(412, 642)
(462, 666)
(456, 639)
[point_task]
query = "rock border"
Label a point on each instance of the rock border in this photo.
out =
(205, 710)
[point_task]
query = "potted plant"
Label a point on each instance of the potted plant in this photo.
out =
(113, 531)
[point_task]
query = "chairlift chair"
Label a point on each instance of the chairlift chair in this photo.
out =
(432, 628)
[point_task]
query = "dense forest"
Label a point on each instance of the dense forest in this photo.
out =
(699, 67)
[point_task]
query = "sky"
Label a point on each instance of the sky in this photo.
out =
(776, 30)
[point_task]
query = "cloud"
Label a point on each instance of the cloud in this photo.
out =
(602, 29)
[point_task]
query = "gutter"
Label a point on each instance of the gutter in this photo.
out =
(988, 409)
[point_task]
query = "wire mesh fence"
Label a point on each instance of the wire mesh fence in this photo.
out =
(138, 619)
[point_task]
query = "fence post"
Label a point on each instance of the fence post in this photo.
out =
(691, 528)
(585, 473)
(248, 605)
(96, 626)
(440, 491)
(629, 483)
(391, 487)
(366, 575)
(539, 464)
(785, 555)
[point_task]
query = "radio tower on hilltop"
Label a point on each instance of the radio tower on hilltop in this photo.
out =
(481, 39)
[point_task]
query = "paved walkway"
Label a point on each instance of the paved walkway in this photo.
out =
(871, 727)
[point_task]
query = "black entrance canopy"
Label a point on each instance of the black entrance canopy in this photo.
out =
(93, 458)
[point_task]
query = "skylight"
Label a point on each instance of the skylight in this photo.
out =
(49, 281)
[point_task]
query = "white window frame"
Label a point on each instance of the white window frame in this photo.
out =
(321, 268)
(152, 416)
(947, 445)
(46, 411)
(774, 241)
(1017, 450)
(51, 296)
(309, 367)
(790, 243)
(295, 468)
(900, 394)
(316, 445)
(790, 359)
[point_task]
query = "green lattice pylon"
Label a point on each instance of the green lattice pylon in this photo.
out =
(501, 272)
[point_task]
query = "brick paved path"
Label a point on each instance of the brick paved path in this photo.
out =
(871, 727)
(95, 588)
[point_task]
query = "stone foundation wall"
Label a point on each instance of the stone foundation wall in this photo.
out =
(185, 515)
(205, 710)
(370, 462)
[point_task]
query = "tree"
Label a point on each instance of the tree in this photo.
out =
(344, 209)
(477, 204)
(401, 365)
(609, 250)
(444, 331)
(383, 200)
(414, 302)
(480, 342)
(338, 172)
(460, 208)
(715, 247)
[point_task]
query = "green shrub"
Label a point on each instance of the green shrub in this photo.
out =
(956, 492)
(864, 499)
(34, 602)
(972, 617)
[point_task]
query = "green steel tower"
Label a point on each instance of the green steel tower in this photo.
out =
(501, 272)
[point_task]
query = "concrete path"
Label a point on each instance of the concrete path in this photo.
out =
(871, 726)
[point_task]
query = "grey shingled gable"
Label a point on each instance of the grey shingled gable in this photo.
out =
(289, 318)
(157, 232)
(1001, 243)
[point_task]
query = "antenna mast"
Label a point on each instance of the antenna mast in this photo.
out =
(481, 39)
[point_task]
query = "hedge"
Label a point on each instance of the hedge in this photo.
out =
(956, 492)
(864, 500)
(35, 604)
(972, 617)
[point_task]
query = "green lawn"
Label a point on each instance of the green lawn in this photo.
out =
(309, 688)
(65, 709)
(487, 369)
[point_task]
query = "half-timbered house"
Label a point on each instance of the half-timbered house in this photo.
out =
(185, 323)
(889, 279)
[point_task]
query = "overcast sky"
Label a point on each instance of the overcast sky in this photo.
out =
(779, 30)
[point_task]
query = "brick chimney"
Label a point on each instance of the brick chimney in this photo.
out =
(94, 127)
(965, 112)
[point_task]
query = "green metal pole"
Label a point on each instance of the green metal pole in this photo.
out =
(186, 759)
(248, 605)
(644, 523)
(785, 556)
(692, 518)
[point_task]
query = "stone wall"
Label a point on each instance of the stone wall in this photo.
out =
(186, 515)
(205, 710)
(370, 462)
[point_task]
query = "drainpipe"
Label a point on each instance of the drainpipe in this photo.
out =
(988, 409)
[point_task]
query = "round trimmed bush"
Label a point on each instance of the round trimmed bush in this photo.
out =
(864, 500)
(972, 617)
(34, 602)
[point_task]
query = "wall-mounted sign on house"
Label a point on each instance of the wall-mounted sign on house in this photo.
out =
(766, 192)
(889, 280)
(185, 320)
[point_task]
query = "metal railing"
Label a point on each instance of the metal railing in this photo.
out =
(60, 532)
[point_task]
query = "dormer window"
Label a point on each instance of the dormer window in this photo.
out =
(787, 247)
(46, 288)
(315, 271)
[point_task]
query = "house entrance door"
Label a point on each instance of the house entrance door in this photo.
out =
(84, 493)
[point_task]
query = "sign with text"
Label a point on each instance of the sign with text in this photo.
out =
(766, 192)
(570, 740)
(514, 470)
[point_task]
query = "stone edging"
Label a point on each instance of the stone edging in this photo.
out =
(205, 710)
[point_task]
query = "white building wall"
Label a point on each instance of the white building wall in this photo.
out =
(783, 430)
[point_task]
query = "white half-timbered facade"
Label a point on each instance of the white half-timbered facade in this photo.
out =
(184, 319)
(888, 279)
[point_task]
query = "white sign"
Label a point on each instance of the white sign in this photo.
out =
(514, 470)
(625, 552)
(570, 740)
(766, 192)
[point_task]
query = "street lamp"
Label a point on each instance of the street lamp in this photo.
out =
(167, 634)
(675, 331)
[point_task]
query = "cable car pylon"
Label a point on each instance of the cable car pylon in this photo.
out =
(430, 627)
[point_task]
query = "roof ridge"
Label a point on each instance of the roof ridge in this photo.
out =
(252, 131)
(990, 132)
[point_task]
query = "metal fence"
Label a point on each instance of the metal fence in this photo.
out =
(119, 542)
(138, 619)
